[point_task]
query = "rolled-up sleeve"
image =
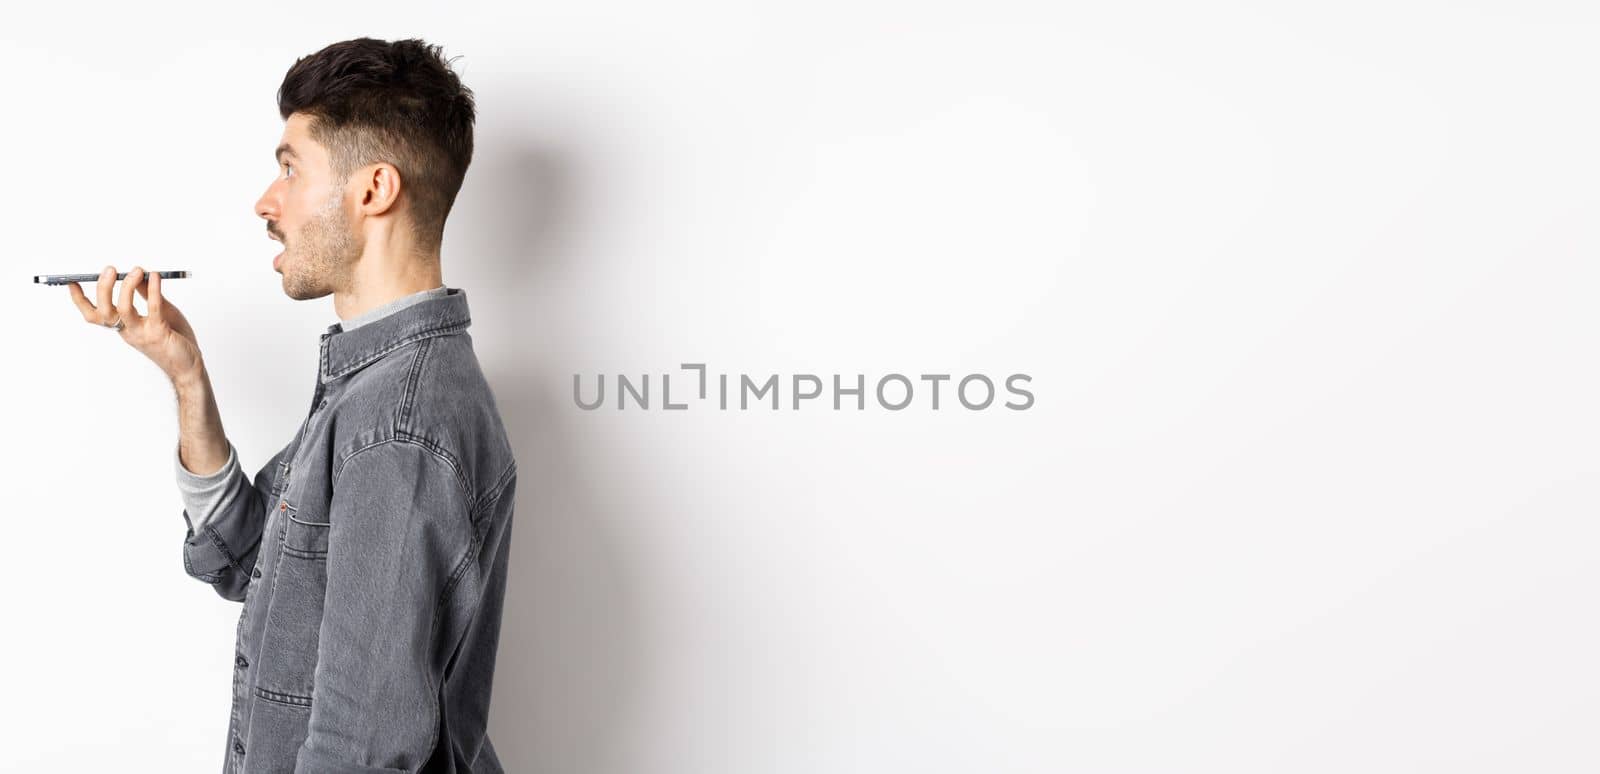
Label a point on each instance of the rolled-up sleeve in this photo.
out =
(203, 494)
(400, 529)
(224, 535)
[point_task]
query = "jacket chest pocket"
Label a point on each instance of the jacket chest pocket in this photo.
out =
(304, 535)
(288, 650)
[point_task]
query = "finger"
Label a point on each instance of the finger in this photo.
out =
(102, 292)
(130, 315)
(83, 303)
(152, 296)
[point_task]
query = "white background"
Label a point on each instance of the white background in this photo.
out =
(1306, 292)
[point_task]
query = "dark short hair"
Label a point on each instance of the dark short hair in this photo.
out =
(399, 102)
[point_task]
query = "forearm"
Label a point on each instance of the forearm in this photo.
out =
(202, 444)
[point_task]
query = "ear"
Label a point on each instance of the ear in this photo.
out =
(379, 188)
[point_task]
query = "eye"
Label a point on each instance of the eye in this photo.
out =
(288, 170)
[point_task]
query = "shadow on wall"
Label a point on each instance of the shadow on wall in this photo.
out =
(570, 654)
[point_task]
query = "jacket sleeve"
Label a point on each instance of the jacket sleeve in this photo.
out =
(222, 550)
(400, 531)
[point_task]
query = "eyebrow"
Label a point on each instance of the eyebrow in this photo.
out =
(284, 150)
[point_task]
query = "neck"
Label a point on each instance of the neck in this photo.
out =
(387, 270)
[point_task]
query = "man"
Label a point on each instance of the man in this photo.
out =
(370, 552)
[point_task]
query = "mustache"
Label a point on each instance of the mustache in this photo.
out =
(274, 232)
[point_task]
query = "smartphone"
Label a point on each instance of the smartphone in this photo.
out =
(62, 279)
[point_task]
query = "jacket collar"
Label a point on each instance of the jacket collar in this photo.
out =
(344, 352)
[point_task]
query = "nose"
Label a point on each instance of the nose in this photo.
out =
(267, 205)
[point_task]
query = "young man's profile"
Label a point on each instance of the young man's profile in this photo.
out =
(370, 552)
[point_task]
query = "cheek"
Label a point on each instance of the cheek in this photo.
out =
(301, 202)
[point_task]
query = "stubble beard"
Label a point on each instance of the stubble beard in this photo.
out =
(324, 255)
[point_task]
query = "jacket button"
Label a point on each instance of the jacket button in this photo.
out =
(255, 572)
(240, 661)
(283, 506)
(237, 747)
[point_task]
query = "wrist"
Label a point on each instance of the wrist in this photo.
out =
(191, 379)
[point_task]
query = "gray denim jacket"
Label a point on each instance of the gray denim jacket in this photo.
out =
(371, 554)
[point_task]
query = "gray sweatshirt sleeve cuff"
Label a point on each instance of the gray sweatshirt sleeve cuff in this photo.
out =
(203, 495)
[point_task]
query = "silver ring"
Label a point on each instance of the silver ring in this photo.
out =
(117, 325)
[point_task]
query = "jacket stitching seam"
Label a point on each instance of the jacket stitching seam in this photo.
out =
(431, 446)
(443, 330)
(339, 466)
(291, 699)
(493, 494)
(302, 553)
(208, 577)
(438, 450)
(433, 628)
(216, 540)
(409, 394)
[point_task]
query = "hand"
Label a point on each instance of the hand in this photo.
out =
(162, 334)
